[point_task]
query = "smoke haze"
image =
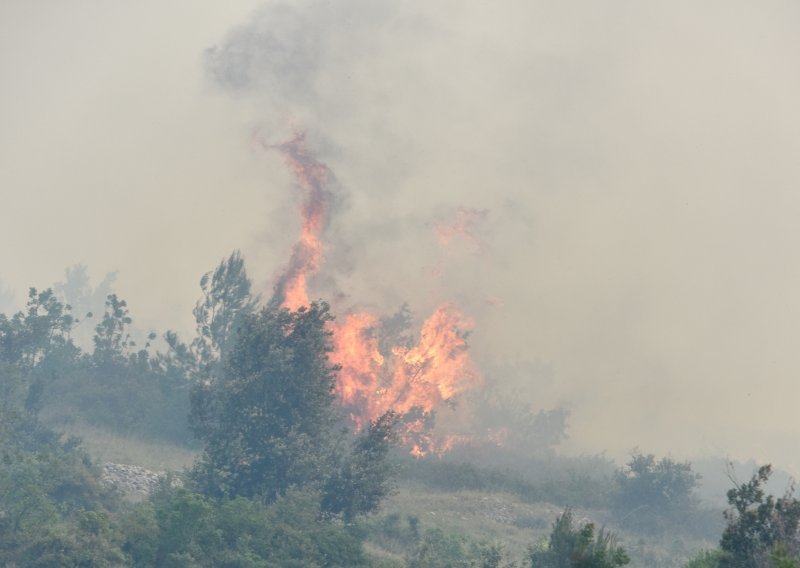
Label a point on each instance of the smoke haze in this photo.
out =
(632, 168)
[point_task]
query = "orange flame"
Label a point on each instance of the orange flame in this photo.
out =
(413, 381)
(313, 178)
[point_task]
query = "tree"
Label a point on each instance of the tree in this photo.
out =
(226, 300)
(652, 493)
(112, 338)
(29, 336)
(364, 477)
(760, 527)
(578, 547)
(265, 422)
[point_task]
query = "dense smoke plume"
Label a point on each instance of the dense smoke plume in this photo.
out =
(637, 163)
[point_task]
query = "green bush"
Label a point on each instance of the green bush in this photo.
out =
(578, 547)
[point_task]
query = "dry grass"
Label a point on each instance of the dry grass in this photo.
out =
(496, 517)
(487, 517)
(106, 446)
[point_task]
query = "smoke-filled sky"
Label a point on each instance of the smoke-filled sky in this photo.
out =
(628, 171)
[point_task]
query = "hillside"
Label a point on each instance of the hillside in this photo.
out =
(507, 511)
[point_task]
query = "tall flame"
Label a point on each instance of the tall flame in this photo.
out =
(412, 380)
(313, 178)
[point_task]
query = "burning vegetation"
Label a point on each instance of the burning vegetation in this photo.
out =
(382, 368)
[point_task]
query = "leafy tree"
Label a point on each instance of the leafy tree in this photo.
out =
(265, 422)
(114, 387)
(226, 300)
(364, 477)
(112, 339)
(760, 526)
(651, 493)
(578, 547)
(31, 335)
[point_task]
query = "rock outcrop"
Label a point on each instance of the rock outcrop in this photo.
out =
(132, 480)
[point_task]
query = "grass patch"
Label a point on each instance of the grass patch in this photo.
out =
(108, 446)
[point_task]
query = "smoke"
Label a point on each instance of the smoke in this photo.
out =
(615, 150)
(637, 163)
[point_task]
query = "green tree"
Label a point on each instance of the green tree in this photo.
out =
(29, 336)
(654, 493)
(578, 547)
(266, 421)
(226, 300)
(112, 339)
(363, 477)
(760, 526)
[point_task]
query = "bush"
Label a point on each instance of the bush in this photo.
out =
(578, 547)
(652, 494)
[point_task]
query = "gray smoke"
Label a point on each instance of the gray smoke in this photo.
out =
(638, 162)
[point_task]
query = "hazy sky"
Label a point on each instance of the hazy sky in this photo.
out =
(638, 162)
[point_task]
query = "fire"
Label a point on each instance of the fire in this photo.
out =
(355, 350)
(439, 367)
(414, 380)
(313, 178)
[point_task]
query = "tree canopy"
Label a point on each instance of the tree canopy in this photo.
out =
(266, 421)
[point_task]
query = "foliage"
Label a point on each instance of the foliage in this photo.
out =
(438, 549)
(181, 528)
(112, 339)
(393, 533)
(29, 336)
(569, 546)
(653, 494)
(781, 557)
(265, 422)
(117, 387)
(53, 509)
(578, 547)
(226, 300)
(364, 477)
(705, 559)
(760, 526)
